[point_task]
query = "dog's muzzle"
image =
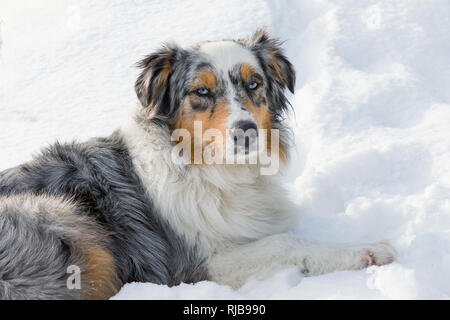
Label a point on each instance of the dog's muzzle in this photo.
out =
(244, 135)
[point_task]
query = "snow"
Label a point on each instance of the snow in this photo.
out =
(372, 115)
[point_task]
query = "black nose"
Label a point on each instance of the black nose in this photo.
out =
(245, 125)
(244, 133)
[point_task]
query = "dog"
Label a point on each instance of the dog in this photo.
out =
(119, 209)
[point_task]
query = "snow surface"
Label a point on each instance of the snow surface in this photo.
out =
(372, 116)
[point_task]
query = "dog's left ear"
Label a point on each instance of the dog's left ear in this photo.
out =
(275, 64)
(153, 84)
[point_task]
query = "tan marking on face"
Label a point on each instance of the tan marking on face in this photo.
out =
(261, 114)
(282, 153)
(217, 120)
(101, 273)
(263, 120)
(247, 71)
(205, 79)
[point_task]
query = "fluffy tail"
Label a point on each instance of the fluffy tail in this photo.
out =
(49, 250)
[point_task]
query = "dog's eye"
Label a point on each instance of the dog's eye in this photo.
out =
(253, 85)
(203, 91)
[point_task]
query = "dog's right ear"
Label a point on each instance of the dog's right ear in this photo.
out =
(271, 55)
(152, 85)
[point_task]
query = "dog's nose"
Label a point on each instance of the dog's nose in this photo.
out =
(245, 125)
(244, 133)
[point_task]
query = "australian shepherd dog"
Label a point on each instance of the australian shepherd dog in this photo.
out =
(186, 190)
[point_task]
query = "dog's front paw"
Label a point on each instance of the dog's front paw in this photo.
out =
(377, 254)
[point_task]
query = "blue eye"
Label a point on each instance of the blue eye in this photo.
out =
(202, 91)
(253, 85)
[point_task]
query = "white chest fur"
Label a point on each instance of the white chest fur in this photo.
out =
(213, 206)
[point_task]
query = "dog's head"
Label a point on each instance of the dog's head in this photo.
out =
(230, 86)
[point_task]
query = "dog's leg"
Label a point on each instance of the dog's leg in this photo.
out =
(234, 266)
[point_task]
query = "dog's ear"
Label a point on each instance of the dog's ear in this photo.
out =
(152, 85)
(270, 54)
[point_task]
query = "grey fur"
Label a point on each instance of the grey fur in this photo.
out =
(40, 238)
(99, 178)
